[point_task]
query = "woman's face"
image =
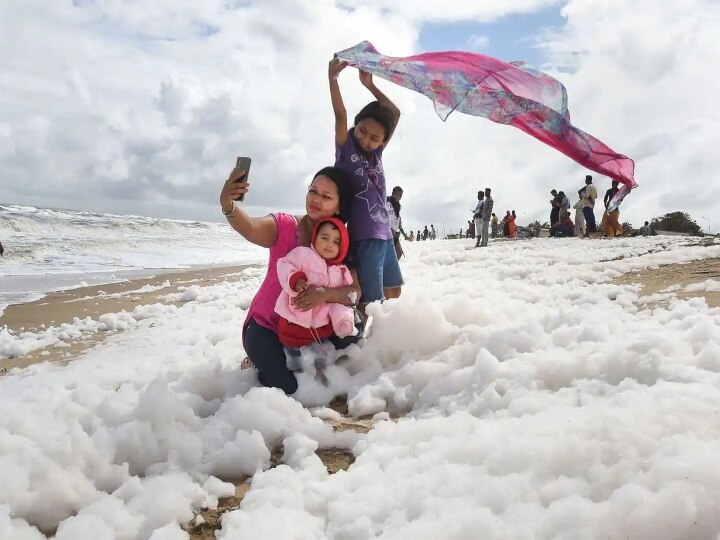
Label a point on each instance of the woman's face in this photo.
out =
(322, 198)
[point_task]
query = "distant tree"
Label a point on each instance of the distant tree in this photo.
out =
(546, 225)
(676, 222)
(535, 225)
(627, 227)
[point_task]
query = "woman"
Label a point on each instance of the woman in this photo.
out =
(512, 228)
(327, 196)
(506, 224)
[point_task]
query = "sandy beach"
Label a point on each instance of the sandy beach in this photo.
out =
(678, 277)
(64, 306)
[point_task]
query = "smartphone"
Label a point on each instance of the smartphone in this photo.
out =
(243, 164)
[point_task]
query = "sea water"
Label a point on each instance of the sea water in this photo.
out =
(50, 249)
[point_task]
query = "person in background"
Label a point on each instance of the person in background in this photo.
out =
(564, 203)
(486, 215)
(393, 210)
(411, 238)
(645, 230)
(494, 225)
(506, 224)
(419, 236)
(2, 250)
(611, 220)
(433, 235)
(512, 228)
(477, 216)
(426, 233)
(579, 219)
(588, 196)
(555, 207)
(563, 228)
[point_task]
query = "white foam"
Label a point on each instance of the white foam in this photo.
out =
(709, 285)
(536, 399)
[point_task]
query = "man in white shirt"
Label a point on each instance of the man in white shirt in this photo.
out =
(477, 216)
(588, 196)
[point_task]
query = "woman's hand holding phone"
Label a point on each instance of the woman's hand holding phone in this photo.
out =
(233, 190)
(242, 167)
(236, 185)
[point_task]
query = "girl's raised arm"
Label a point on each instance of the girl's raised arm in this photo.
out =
(366, 80)
(334, 68)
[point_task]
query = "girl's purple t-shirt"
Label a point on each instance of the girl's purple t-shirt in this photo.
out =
(368, 215)
(262, 307)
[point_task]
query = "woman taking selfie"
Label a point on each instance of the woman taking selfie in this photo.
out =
(327, 196)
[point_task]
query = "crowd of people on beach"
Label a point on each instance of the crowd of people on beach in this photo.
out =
(485, 223)
(426, 234)
(561, 223)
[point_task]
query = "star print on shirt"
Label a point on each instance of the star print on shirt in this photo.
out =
(359, 195)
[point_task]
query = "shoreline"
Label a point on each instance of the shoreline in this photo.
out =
(674, 279)
(70, 282)
(62, 307)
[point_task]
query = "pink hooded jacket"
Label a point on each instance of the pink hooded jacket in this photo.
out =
(307, 260)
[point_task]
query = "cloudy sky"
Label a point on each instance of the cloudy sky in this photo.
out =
(141, 107)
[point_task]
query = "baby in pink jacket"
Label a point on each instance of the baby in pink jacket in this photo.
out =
(306, 332)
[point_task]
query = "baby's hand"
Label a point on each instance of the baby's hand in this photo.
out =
(300, 285)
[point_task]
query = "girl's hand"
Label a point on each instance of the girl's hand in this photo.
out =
(335, 67)
(232, 189)
(311, 297)
(366, 79)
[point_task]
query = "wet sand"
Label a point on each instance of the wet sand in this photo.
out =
(655, 280)
(63, 306)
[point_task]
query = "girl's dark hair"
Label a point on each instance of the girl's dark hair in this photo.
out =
(382, 114)
(344, 189)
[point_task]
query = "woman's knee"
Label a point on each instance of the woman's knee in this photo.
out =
(265, 351)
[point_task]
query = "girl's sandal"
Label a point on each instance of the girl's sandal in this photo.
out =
(246, 363)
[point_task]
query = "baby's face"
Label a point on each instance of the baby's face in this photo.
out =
(327, 243)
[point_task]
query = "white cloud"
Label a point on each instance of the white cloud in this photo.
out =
(142, 108)
(477, 42)
(434, 11)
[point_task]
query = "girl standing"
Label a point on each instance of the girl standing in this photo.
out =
(358, 152)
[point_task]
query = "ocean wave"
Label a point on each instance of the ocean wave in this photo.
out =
(49, 240)
(35, 220)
